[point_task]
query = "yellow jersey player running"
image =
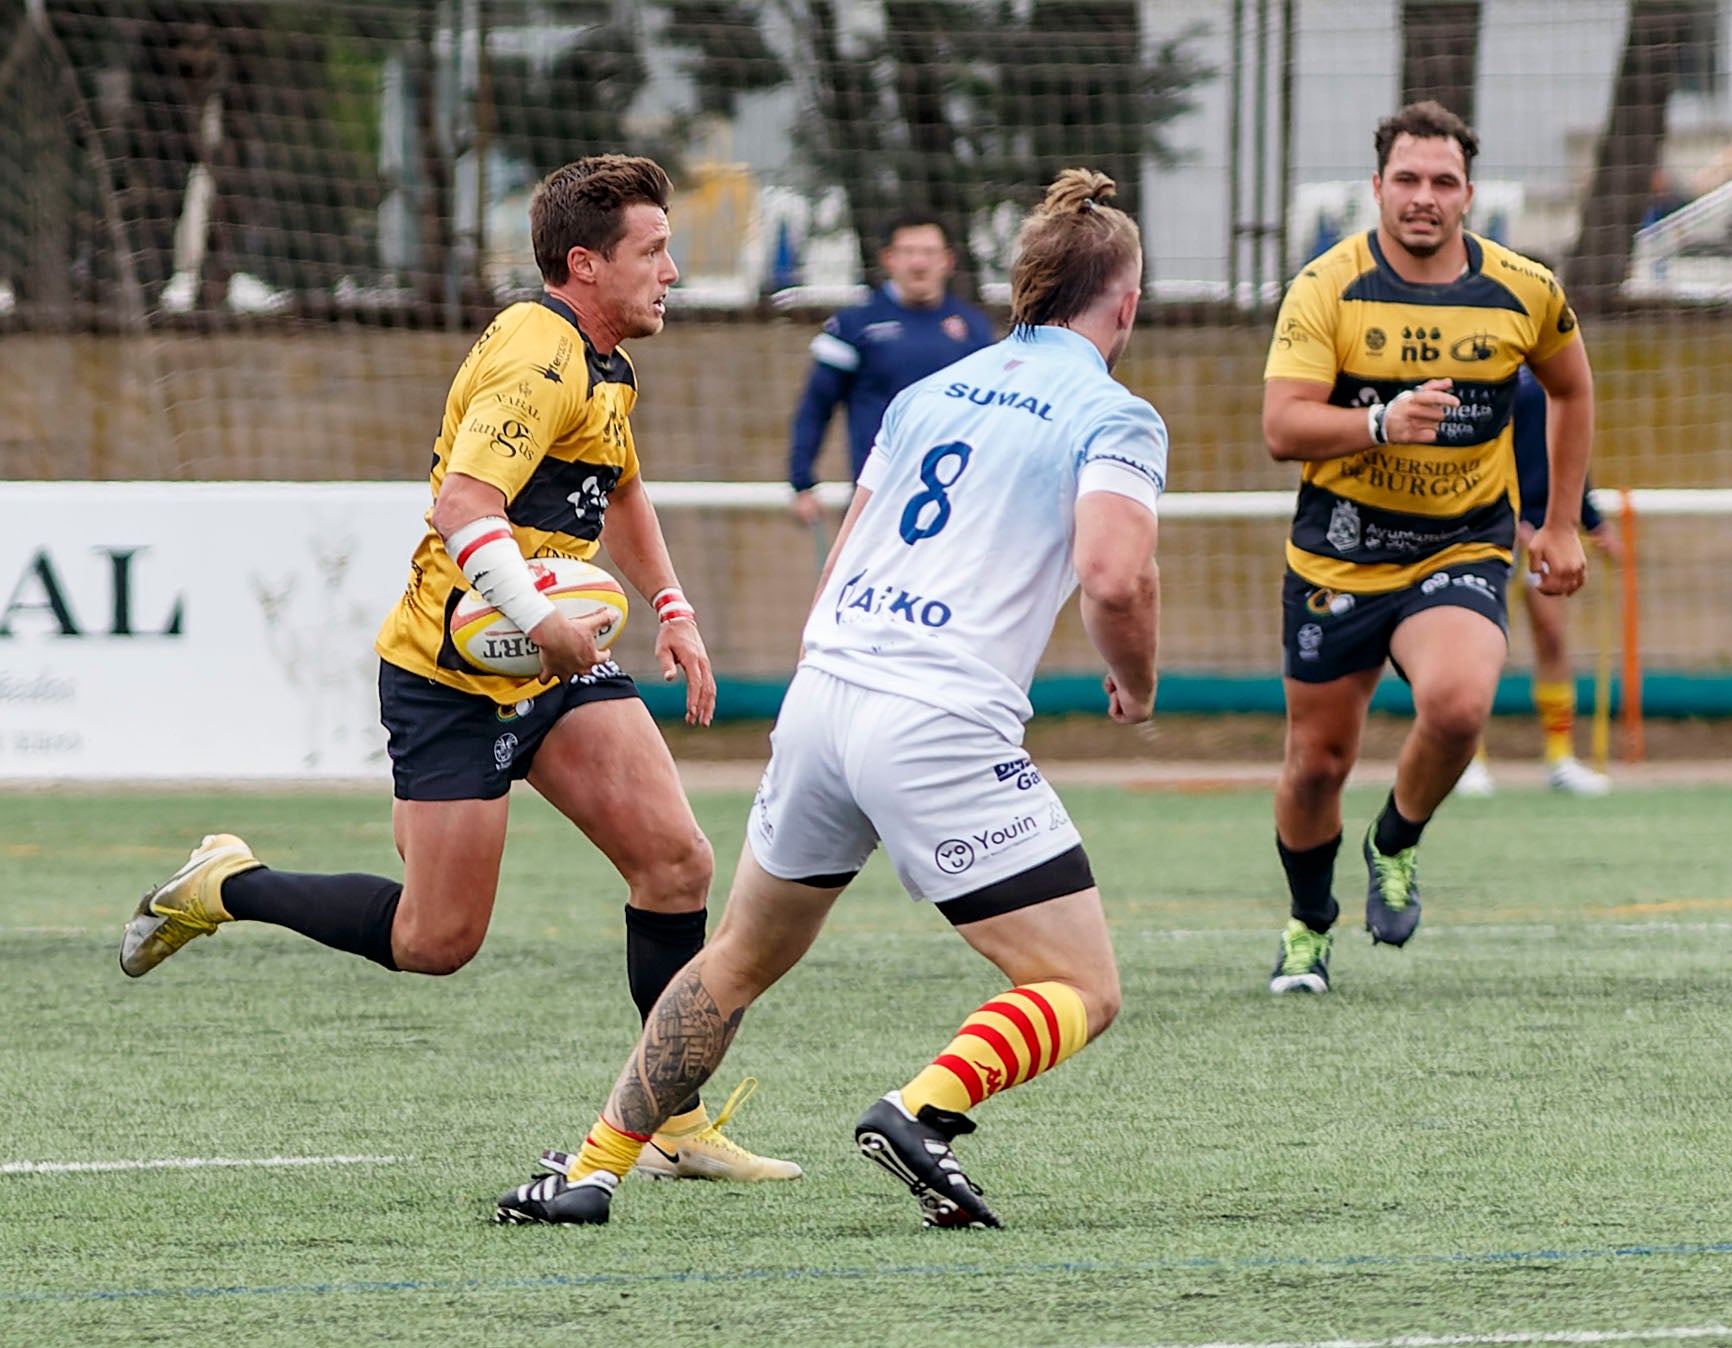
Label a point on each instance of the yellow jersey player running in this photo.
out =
(1392, 380)
(994, 488)
(534, 459)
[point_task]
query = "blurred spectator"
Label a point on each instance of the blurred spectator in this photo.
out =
(910, 327)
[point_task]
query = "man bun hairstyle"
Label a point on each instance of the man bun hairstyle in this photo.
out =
(1070, 248)
(1427, 120)
(583, 204)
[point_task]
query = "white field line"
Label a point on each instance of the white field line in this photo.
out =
(1589, 1336)
(189, 1163)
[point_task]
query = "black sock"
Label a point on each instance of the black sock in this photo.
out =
(658, 946)
(1310, 876)
(346, 912)
(1394, 832)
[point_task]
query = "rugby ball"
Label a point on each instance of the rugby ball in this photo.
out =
(489, 640)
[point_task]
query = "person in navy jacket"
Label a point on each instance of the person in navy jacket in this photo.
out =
(866, 355)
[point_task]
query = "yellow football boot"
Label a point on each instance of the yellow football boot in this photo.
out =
(691, 1146)
(187, 904)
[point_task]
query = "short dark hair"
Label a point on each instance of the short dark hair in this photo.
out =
(1427, 120)
(911, 220)
(582, 205)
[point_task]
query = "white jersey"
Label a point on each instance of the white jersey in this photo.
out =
(956, 569)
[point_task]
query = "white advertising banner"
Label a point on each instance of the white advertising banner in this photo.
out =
(197, 630)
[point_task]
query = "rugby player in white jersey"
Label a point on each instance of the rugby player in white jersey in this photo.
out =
(995, 488)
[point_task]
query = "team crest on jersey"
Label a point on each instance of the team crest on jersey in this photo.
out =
(589, 501)
(1343, 533)
(955, 327)
(1475, 346)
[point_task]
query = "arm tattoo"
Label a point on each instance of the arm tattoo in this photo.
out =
(683, 1041)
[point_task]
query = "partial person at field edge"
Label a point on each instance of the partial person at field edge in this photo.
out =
(1554, 681)
(535, 458)
(910, 327)
(1391, 379)
(993, 490)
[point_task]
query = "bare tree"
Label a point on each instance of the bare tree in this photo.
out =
(1629, 151)
(955, 106)
(1440, 53)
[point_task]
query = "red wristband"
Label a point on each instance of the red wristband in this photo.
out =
(671, 605)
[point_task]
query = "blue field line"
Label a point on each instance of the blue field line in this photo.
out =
(892, 1271)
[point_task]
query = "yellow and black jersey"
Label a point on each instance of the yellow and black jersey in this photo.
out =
(536, 411)
(1383, 518)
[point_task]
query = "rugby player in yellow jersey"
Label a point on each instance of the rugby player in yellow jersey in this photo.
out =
(1391, 378)
(535, 458)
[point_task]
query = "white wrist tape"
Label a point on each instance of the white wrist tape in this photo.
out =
(1380, 416)
(487, 555)
(1374, 422)
(671, 604)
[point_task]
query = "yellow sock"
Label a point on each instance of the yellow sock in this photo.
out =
(1556, 705)
(692, 1121)
(1017, 1035)
(607, 1148)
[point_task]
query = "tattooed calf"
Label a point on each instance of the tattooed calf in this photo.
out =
(683, 1041)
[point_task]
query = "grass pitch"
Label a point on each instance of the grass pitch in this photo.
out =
(1518, 1125)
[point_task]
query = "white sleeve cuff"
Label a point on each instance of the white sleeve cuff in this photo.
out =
(835, 353)
(872, 471)
(1121, 479)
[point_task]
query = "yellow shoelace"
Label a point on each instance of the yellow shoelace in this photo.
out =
(742, 1093)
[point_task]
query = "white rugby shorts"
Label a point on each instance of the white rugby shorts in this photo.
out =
(957, 805)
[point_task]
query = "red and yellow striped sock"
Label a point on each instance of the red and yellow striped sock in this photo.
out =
(607, 1148)
(1017, 1035)
(1556, 705)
